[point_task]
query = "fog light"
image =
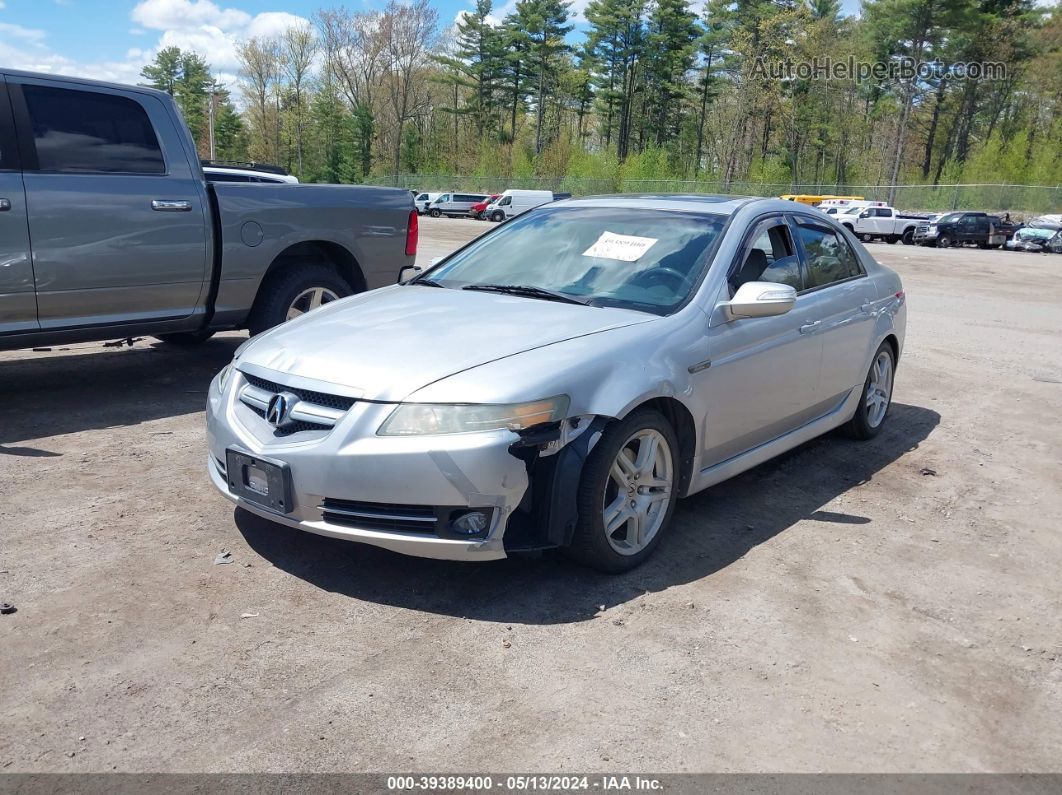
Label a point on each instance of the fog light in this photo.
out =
(473, 523)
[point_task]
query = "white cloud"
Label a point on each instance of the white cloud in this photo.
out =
(211, 30)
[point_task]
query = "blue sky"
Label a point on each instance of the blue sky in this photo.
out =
(112, 39)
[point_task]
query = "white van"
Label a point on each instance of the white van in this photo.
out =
(514, 202)
(455, 204)
(422, 200)
(847, 206)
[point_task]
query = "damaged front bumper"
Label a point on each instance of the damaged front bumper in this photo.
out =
(407, 494)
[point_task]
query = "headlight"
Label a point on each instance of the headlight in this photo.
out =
(414, 419)
(223, 376)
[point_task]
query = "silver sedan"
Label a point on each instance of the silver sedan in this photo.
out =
(562, 380)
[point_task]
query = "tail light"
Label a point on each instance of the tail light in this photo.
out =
(412, 234)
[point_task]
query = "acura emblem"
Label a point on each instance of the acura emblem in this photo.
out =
(279, 410)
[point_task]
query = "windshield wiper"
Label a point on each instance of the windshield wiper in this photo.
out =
(529, 291)
(427, 283)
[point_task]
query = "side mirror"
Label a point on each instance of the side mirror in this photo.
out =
(864, 214)
(408, 273)
(760, 299)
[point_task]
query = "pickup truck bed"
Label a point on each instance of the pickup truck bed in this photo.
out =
(108, 228)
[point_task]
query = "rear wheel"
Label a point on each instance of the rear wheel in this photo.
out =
(294, 291)
(185, 339)
(874, 403)
(627, 493)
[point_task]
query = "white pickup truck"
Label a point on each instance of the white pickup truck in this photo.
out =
(880, 223)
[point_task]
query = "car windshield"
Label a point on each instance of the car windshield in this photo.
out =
(648, 260)
(949, 218)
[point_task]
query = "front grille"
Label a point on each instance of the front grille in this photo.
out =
(421, 519)
(319, 398)
(295, 427)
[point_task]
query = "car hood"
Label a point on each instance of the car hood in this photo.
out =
(387, 343)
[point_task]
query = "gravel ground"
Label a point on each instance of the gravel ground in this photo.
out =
(882, 606)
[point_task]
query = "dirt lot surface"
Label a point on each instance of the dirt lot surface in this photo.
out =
(882, 606)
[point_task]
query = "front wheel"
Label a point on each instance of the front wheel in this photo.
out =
(943, 242)
(294, 291)
(892, 239)
(866, 238)
(874, 403)
(627, 493)
(908, 237)
(434, 212)
(497, 216)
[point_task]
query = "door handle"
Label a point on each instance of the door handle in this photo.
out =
(5, 205)
(809, 327)
(867, 308)
(170, 206)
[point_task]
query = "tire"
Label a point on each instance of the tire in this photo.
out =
(908, 237)
(982, 246)
(892, 239)
(497, 216)
(944, 242)
(281, 291)
(867, 423)
(185, 339)
(591, 545)
(866, 238)
(434, 212)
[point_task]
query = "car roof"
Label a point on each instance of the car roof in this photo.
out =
(689, 202)
(85, 82)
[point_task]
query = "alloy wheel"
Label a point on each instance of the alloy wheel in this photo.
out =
(879, 390)
(638, 492)
(308, 299)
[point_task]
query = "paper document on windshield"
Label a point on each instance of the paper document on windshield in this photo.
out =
(625, 248)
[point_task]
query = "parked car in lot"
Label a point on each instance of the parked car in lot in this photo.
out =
(109, 229)
(839, 206)
(570, 374)
(1045, 238)
(880, 222)
(958, 228)
(424, 200)
(479, 208)
(454, 205)
(513, 202)
(233, 171)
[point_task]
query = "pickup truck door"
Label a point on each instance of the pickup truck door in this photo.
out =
(18, 305)
(117, 218)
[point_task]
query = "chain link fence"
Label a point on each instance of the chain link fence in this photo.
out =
(1022, 199)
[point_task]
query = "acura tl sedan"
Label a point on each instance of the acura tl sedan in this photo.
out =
(562, 380)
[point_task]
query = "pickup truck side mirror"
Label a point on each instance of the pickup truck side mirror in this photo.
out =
(760, 299)
(408, 273)
(865, 214)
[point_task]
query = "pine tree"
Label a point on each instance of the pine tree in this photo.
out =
(545, 22)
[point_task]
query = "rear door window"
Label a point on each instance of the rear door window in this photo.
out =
(829, 257)
(91, 132)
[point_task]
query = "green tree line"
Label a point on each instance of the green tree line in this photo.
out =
(645, 89)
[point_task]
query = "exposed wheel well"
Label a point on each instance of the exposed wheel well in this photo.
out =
(895, 345)
(685, 429)
(322, 251)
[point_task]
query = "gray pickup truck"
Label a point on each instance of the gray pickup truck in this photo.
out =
(108, 228)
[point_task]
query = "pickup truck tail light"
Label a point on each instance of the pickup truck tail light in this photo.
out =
(412, 233)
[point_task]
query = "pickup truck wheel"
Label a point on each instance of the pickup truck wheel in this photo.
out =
(434, 212)
(866, 238)
(185, 339)
(943, 242)
(497, 216)
(627, 493)
(892, 239)
(908, 237)
(294, 291)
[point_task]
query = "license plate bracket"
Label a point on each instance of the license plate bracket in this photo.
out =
(263, 481)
